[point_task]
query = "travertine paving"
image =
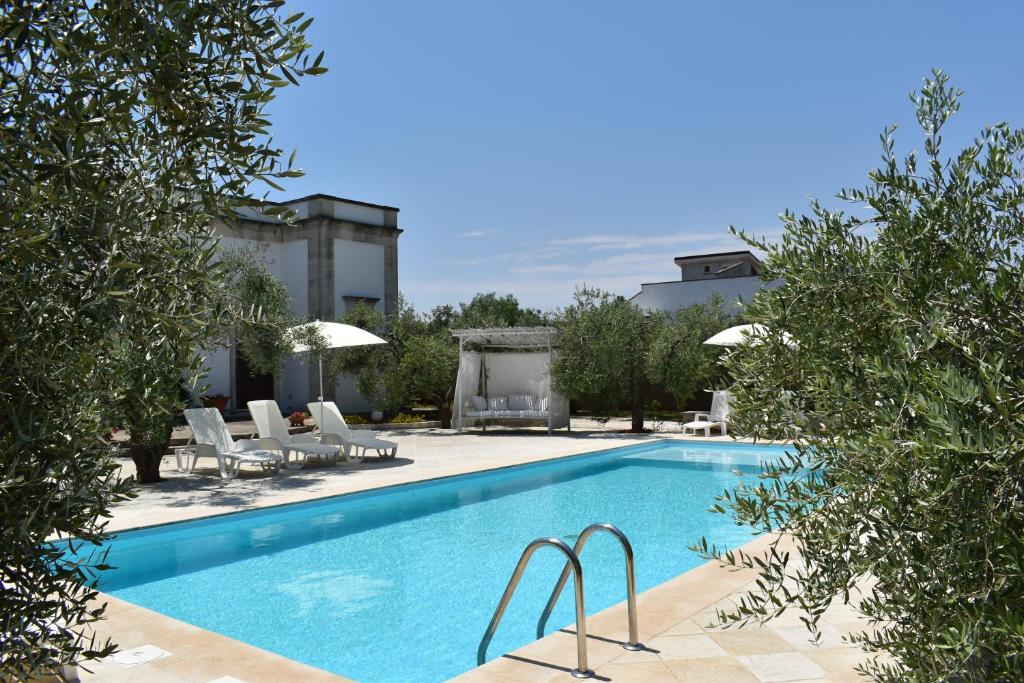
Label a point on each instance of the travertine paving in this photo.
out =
(674, 617)
(678, 626)
(422, 454)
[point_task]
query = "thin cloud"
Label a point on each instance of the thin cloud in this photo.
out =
(542, 269)
(478, 233)
(622, 241)
(467, 260)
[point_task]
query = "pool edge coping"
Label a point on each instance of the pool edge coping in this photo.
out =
(444, 477)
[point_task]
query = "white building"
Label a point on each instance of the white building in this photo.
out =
(337, 253)
(735, 275)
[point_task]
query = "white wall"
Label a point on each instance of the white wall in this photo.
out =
(291, 266)
(219, 363)
(358, 271)
(293, 389)
(359, 214)
(349, 400)
(672, 296)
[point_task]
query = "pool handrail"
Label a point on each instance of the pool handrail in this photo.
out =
(573, 565)
(634, 642)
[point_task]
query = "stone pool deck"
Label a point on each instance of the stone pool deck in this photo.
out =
(673, 617)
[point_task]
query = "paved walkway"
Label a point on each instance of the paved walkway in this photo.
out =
(674, 617)
(422, 454)
(677, 621)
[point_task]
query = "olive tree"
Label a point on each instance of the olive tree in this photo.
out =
(603, 343)
(419, 361)
(904, 384)
(679, 360)
(127, 127)
(258, 311)
(491, 310)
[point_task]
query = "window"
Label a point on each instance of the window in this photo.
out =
(707, 269)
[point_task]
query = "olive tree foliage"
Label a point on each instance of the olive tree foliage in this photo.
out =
(490, 310)
(603, 343)
(678, 358)
(419, 362)
(259, 315)
(377, 368)
(909, 354)
(126, 126)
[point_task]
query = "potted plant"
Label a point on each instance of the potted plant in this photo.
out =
(297, 419)
(218, 401)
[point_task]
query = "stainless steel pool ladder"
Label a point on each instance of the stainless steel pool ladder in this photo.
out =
(627, 549)
(572, 565)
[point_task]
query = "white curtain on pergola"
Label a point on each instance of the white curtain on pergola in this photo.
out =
(502, 362)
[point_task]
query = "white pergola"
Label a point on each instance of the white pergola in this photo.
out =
(510, 339)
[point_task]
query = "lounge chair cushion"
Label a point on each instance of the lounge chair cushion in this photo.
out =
(497, 403)
(700, 424)
(314, 448)
(255, 456)
(364, 440)
(480, 403)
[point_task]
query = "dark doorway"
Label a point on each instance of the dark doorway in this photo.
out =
(250, 387)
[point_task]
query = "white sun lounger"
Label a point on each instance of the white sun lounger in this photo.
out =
(274, 436)
(333, 429)
(718, 417)
(214, 440)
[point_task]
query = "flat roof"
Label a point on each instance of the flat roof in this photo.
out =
(320, 195)
(703, 280)
(718, 254)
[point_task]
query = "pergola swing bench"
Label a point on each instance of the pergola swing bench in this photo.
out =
(505, 374)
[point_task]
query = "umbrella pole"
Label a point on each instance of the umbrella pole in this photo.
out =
(320, 364)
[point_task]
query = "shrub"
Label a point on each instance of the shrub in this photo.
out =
(405, 418)
(602, 345)
(909, 343)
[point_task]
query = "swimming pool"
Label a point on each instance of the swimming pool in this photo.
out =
(399, 584)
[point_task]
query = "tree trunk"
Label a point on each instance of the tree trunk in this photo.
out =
(637, 408)
(444, 413)
(637, 424)
(147, 462)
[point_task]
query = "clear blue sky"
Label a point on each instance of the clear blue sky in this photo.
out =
(535, 146)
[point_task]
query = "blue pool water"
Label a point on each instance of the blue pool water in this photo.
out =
(399, 584)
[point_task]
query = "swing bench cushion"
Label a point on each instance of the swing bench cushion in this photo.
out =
(514, 407)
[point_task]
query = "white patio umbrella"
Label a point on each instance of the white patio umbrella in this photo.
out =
(734, 336)
(337, 336)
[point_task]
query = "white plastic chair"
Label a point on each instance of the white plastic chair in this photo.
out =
(718, 417)
(274, 436)
(334, 430)
(214, 440)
